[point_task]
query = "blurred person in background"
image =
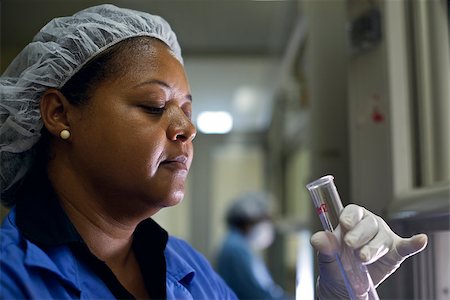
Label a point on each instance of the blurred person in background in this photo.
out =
(239, 259)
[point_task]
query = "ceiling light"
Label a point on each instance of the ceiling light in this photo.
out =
(211, 122)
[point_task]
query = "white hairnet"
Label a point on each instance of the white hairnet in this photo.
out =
(249, 207)
(55, 54)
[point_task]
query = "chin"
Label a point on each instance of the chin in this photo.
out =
(174, 199)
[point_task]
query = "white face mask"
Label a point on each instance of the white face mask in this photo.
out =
(261, 235)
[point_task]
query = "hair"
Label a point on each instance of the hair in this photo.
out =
(248, 209)
(108, 64)
(245, 223)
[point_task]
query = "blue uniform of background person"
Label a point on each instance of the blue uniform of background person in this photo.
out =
(239, 259)
(245, 271)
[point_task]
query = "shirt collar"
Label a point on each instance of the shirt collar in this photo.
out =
(177, 265)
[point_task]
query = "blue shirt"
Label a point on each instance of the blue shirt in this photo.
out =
(43, 257)
(245, 271)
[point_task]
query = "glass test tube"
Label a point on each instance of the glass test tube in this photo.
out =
(329, 206)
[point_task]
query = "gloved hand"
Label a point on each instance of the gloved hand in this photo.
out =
(374, 242)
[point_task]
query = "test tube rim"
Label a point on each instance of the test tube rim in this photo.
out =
(319, 182)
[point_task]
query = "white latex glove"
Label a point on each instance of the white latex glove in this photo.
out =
(374, 242)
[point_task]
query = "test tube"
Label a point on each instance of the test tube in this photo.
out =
(329, 206)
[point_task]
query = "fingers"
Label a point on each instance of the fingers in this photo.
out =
(325, 243)
(373, 237)
(361, 225)
(366, 232)
(377, 247)
(351, 215)
(363, 232)
(376, 244)
(410, 246)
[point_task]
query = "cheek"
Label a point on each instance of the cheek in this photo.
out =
(121, 145)
(136, 148)
(143, 156)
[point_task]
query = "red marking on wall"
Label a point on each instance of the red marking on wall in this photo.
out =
(377, 116)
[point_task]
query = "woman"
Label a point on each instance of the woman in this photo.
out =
(97, 138)
(116, 147)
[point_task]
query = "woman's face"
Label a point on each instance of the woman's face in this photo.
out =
(132, 143)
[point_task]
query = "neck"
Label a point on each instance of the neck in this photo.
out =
(105, 222)
(107, 239)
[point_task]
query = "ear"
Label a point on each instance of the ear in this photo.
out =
(54, 108)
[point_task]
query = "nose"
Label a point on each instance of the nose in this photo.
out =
(180, 127)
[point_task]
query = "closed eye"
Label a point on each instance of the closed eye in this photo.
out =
(153, 110)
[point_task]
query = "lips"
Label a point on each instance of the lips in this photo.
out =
(176, 163)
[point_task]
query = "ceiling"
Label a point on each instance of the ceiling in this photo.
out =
(231, 47)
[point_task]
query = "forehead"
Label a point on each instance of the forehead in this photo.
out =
(144, 60)
(135, 50)
(147, 56)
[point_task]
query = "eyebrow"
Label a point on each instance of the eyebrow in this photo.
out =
(162, 83)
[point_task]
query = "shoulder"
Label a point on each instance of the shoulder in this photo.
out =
(10, 238)
(22, 265)
(190, 268)
(180, 250)
(12, 259)
(234, 245)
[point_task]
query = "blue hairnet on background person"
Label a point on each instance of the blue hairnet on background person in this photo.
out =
(239, 259)
(96, 137)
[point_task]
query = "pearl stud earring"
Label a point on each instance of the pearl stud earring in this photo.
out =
(64, 134)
